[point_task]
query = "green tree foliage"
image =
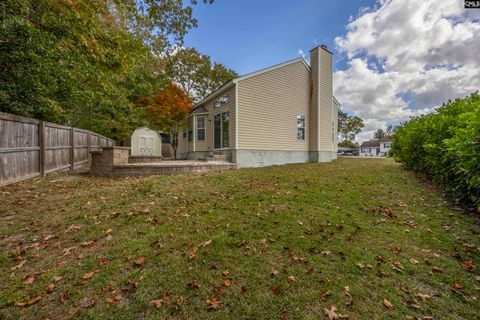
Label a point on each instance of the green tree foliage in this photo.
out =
(349, 126)
(379, 134)
(86, 62)
(348, 144)
(195, 73)
(445, 146)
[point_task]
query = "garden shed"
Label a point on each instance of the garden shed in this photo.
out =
(146, 142)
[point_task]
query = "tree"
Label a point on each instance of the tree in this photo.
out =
(168, 112)
(348, 144)
(379, 134)
(85, 63)
(349, 126)
(391, 130)
(195, 73)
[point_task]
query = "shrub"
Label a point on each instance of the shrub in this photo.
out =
(446, 147)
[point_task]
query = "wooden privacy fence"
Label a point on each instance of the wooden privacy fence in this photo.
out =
(30, 148)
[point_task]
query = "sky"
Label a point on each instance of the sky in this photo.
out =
(393, 59)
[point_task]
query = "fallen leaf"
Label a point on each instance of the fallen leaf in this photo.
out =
(72, 228)
(325, 295)
(274, 272)
(413, 261)
(194, 285)
(397, 265)
(90, 243)
(56, 278)
(243, 289)
(114, 299)
(50, 288)
(28, 279)
(157, 303)
(28, 303)
(436, 270)
(291, 279)
(457, 286)
(204, 244)
(283, 315)
(18, 266)
(140, 261)
(332, 313)
(165, 296)
(213, 304)
(387, 304)
(226, 273)
(469, 265)
(88, 275)
(396, 250)
(226, 283)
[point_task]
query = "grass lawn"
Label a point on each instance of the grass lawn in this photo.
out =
(290, 242)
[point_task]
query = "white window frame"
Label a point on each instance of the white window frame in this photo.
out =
(201, 128)
(301, 127)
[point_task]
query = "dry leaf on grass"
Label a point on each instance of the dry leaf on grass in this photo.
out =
(274, 272)
(56, 278)
(387, 304)
(28, 303)
(50, 288)
(469, 265)
(89, 275)
(73, 227)
(29, 278)
(140, 261)
(114, 299)
(332, 314)
(226, 283)
(291, 279)
(325, 295)
(204, 244)
(213, 304)
(18, 266)
(413, 261)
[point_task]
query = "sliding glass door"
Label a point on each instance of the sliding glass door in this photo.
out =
(220, 130)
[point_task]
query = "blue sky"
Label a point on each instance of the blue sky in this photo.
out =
(248, 35)
(393, 59)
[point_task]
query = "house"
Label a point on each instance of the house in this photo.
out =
(281, 114)
(375, 147)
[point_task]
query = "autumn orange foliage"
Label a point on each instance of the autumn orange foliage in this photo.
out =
(168, 112)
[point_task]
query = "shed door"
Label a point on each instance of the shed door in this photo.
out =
(145, 145)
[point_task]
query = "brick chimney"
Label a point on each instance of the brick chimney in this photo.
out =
(321, 105)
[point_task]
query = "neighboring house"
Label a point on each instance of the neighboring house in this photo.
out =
(282, 114)
(375, 147)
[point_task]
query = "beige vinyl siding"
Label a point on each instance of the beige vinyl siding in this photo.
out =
(230, 107)
(268, 105)
(326, 103)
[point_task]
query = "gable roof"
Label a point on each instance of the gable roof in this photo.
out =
(386, 139)
(286, 63)
(234, 81)
(374, 143)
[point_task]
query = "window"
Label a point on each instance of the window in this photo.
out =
(201, 128)
(221, 130)
(300, 127)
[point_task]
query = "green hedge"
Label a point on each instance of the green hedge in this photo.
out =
(446, 147)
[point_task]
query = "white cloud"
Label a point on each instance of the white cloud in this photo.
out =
(426, 51)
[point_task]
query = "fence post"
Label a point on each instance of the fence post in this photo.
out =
(72, 149)
(89, 148)
(41, 151)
